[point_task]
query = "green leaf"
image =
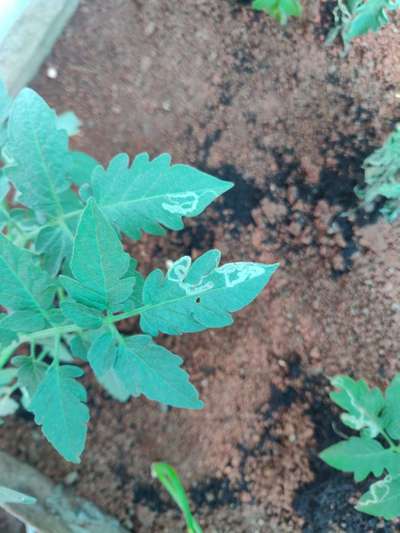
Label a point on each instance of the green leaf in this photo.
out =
(59, 407)
(281, 10)
(354, 18)
(55, 244)
(26, 321)
(194, 297)
(54, 241)
(4, 219)
(382, 178)
(79, 347)
(149, 194)
(81, 167)
(99, 282)
(23, 285)
(7, 375)
(361, 456)
(12, 496)
(5, 104)
(30, 373)
(168, 476)
(69, 122)
(143, 367)
(368, 16)
(364, 405)
(6, 336)
(391, 413)
(39, 153)
(4, 187)
(104, 358)
(8, 406)
(382, 499)
(24, 218)
(80, 314)
(154, 371)
(64, 355)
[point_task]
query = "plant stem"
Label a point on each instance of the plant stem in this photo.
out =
(60, 331)
(56, 356)
(391, 443)
(42, 355)
(7, 353)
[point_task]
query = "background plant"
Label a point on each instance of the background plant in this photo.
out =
(382, 178)
(354, 18)
(376, 416)
(12, 496)
(66, 281)
(281, 10)
(169, 478)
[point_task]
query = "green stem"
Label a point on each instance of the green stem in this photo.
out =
(42, 355)
(11, 389)
(116, 333)
(7, 353)
(111, 319)
(59, 221)
(60, 331)
(391, 443)
(57, 340)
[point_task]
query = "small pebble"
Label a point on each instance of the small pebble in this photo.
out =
(52, 73)
(71, 478)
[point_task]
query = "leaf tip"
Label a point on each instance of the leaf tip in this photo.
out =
(198, 405)
(228, 185)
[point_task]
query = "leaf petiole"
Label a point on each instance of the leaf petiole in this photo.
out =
(391, 443)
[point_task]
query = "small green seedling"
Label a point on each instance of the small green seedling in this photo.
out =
(281, 10)
(12, 496)
(172, 483)
(382, 178)
(66, 280)
(354, 18)
(376, 450)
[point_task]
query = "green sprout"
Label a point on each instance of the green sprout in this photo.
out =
(172, 483)
(281, 10)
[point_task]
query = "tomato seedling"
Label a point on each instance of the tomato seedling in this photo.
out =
(376, 450)
(66, 280)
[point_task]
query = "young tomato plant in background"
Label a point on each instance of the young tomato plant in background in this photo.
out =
(281, 10)
(382, 178)
(376, 451)
(354, 18)
(66, 281)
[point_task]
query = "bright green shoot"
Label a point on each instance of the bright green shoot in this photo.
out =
(354, 18)
(66, 280)
(281, 10)
(376, 450)
(172, 483)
